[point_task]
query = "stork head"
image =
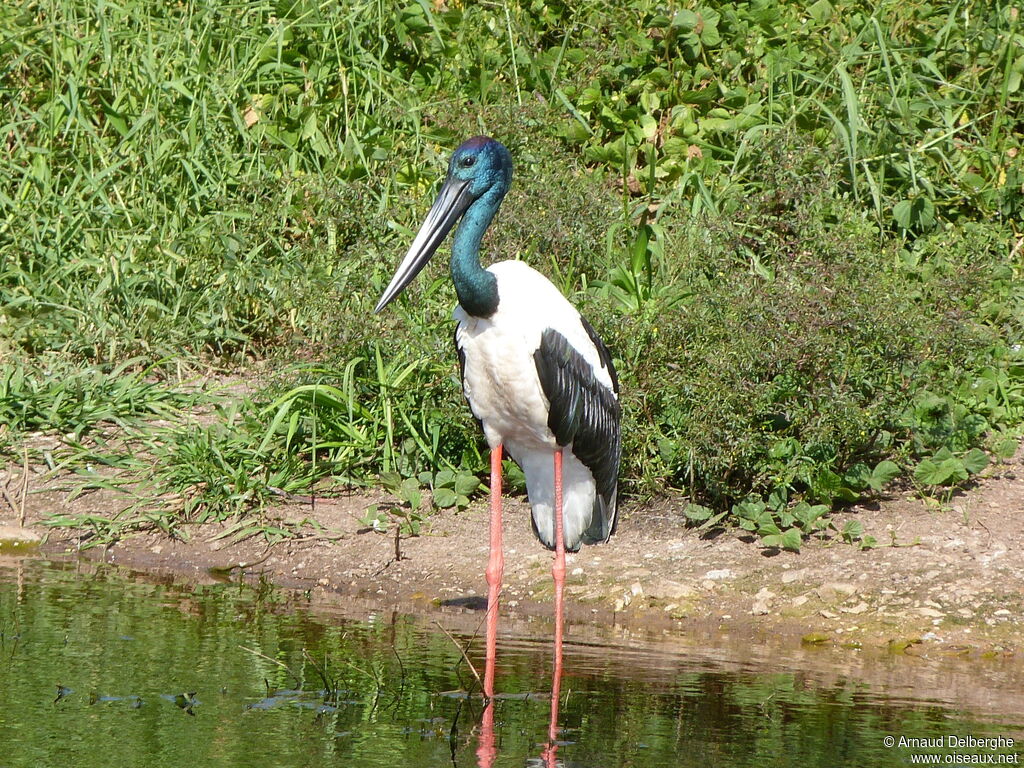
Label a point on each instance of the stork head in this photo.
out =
(482, 163)
(479, 175)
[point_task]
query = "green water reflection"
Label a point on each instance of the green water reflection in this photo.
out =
(103, 669)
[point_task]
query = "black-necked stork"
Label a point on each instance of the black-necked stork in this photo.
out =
(536, 375)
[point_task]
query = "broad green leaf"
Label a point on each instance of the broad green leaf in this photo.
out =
(902, 213)
(883, 474)
(466, 484)
(857, 476)
(445, 497)
(975, 460)
(808, 514)
(931, 472)
(703, 96)
(1006, 448)
(820, 11)
(852, 530)
(792, 540)
(411, 493)
(697, 512)
(391, 481)
(685, 20)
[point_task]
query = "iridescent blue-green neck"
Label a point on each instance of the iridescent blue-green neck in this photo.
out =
(477, 288)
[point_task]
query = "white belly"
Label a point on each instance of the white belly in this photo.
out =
(504, 392)
(500, 382)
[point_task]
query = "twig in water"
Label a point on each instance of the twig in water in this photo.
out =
(329, 685)
(285, 667)
(401, 666)
(462, 651)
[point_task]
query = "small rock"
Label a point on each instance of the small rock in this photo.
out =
(718, 575)
(798, 601)
(762, 602)
(636, 589)
(931, 613)
(671, 590)
(858, 608)
(833, 589)
(708, 584)
(1001, 612)
(790, 576)
(156, 549)
(829, 614)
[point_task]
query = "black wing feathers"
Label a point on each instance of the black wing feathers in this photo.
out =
(584, 412)
(602, 352)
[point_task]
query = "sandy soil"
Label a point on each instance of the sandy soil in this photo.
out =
(944, 577)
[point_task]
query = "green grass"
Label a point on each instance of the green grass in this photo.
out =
(798, 228)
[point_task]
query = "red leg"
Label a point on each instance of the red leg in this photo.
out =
(558, 572)
(495, 570)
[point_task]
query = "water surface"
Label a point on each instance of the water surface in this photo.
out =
(100, 667)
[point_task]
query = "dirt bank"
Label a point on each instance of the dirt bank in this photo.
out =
(948, 574)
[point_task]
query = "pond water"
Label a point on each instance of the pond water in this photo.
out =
(100, 667)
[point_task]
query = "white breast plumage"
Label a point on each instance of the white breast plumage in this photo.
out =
(500, 356)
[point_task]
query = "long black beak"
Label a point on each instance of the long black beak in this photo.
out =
(452, 201)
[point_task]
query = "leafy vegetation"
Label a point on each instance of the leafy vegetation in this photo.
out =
(798, 228)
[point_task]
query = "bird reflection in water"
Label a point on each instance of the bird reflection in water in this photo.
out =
(487, 749)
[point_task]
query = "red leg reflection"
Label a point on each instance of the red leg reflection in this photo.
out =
(486, 750)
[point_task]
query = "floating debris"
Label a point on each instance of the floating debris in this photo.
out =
(184, 701)
(133, 699)
(62, 692)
